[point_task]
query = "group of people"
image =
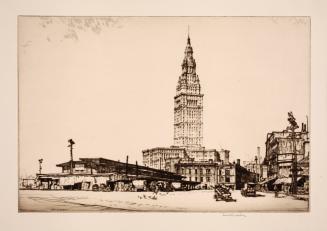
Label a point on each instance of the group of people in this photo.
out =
(124, 187)
(160, 186)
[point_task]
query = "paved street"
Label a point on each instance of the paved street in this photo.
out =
(192, 201)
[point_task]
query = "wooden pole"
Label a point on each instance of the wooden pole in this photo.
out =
(137, 169)
(294, 175)
(126, 165)
(71, 159)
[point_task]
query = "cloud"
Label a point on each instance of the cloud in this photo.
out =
(74, 25)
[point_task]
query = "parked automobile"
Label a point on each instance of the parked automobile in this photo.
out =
(249, 190)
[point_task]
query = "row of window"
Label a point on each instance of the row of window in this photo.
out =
(227, 172)
(200, 179)
(184, 171)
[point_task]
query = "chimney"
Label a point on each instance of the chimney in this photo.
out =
(238, 162)
(226, 157)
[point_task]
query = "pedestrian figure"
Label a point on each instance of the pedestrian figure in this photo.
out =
(156, 190)
(276, 191)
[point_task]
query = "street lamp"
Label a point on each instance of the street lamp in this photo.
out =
(293, 125)
(40, 165)
(71, 143)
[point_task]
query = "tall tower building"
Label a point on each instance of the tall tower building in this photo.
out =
(188, 156)
(188, 107)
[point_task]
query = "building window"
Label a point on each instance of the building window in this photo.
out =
(196, 171)
(201, 179)
(208, 170)
(201, 171)
(227, 180)
(189, 171)
(227, 172)
(208, 179)
(196, 179)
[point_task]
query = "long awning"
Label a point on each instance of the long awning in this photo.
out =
(287, 180)
(266, 181)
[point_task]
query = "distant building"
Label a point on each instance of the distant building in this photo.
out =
(210, 173)
(234, 175)
(255, 168)
(163, 158)
(202, 167)
(206, 173)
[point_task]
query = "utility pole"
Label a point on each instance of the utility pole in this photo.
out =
(126, 165)
(259, 165)
(137, 169)
(40, 165)
(293, 125)
(71, 143)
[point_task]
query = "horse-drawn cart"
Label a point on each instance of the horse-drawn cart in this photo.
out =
(223, 193)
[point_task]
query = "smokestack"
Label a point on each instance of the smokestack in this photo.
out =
(258, 153)
(226, 155)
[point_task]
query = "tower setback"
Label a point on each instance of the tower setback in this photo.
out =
(188, 101)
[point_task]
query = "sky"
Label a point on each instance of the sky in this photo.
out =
(108, 83)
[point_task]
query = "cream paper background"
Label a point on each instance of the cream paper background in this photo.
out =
(11, 220)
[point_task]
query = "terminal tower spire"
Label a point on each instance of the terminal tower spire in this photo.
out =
(188, 107)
